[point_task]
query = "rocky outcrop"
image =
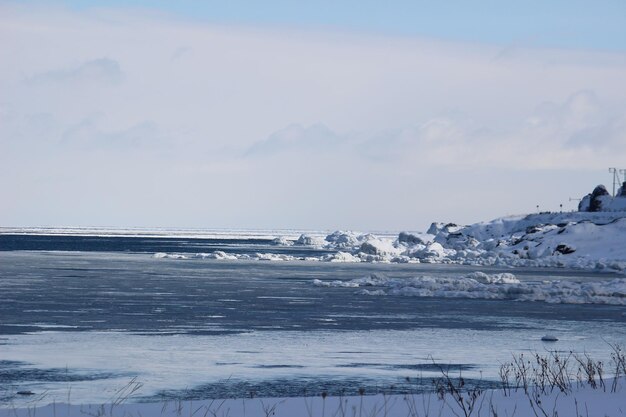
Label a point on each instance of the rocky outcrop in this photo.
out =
(598, 200)
(410, 239)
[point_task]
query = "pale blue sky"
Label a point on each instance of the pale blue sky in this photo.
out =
(555, 23)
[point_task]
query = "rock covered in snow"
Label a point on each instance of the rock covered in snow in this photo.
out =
(619, 202)
(564, 249)
(431, 252)
(599, 197)
(446, 228)
(341, 239)
(601, 200)
(376, 246)
(308, 240)
(585, 203)
(410, 239)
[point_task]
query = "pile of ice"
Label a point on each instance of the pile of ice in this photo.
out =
(163, 255)
(582, 240)
(478, 285)
(367, 247)
(578, 240)
(221, 255)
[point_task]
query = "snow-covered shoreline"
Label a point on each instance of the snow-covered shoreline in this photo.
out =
(578, 240)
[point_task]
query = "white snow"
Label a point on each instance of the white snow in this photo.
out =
(579, 240)
(504, 278)
(341, 257)
(283, 241)
(218, 254)
(582, 400)
(310, 240)
(373, 245)
(162, 255)
(273, 257)
(341, 239)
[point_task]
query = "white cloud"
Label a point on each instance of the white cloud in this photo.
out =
(102, 70)
(86, 135)
(296, 138)
(554, 136)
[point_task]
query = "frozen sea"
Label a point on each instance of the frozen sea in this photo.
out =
(83, 313)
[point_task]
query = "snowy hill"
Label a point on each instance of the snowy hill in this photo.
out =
(579, 239)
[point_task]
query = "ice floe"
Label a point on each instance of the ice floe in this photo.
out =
(479, 285)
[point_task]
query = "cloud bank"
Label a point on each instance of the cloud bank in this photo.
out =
(117, 117)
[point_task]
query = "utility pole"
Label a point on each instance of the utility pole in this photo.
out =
(616, 179)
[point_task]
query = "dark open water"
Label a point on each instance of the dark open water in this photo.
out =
(87, 314)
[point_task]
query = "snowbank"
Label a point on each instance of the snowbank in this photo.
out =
(582, 400)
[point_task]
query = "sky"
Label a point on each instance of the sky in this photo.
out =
(328, 115)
